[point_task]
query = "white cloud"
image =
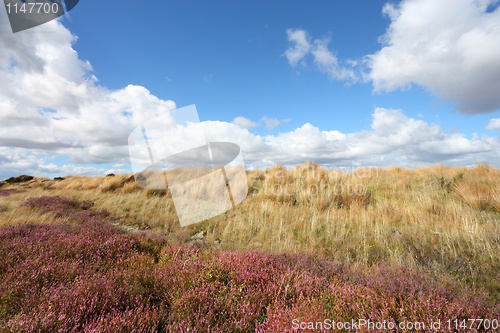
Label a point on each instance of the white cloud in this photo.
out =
(450, 47)
(51, 105)
(324, 59)
(494, 124)
(244, 122)
(70, 169)
(328, 63)
(301, 48)
(393, 140)
(272, 123)
(50, 101)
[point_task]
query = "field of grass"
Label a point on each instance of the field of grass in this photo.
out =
(401, 245)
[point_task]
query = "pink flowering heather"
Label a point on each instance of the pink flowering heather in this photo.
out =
(4, 193)
(57, 205)
(88, 276)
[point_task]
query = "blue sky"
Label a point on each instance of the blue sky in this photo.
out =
(364, 82)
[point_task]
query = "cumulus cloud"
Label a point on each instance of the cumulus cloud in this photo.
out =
(272, 123)
(393, 139)
(327, 62)
(450, 47)
(494, 124)
(51, 106)
(301, 46)
(51, 103)
(324, 59)
(244, 122)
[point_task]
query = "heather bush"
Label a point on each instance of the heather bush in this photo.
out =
(56, 205)
(4, 193)
(91, 277)
(85, 275)
(64, 270)
(73, 210)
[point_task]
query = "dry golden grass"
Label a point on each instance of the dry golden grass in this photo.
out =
(444, 220)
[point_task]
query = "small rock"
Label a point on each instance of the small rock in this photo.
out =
(199, 235)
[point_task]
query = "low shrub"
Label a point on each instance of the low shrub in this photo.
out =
(90, 276)
(5, 193)
(19, 179)
(60, 206)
